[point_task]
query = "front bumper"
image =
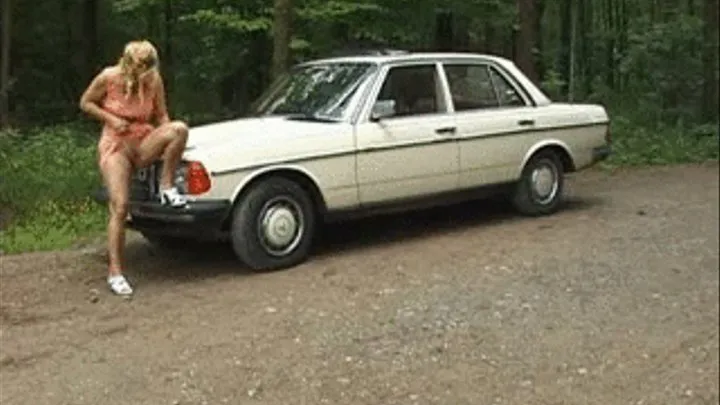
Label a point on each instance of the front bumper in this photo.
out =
(203, 218)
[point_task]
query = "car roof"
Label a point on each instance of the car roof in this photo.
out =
(384, 57)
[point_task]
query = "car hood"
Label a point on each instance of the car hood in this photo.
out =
(251, 132)
(245, 141)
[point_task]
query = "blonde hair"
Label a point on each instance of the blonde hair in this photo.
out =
(135, 52)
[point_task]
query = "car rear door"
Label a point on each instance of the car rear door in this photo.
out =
(492, 118)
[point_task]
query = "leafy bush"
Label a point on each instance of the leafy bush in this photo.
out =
(634, 145)
(46, 179)
(53, 225)
(665, 78)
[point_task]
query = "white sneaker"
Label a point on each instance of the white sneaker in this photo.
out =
(119, 285)
(172, 197)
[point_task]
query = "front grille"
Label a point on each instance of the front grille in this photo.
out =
(144, 184)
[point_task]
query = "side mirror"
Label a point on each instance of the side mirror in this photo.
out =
(382, 109)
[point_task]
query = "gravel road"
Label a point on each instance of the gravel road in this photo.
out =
(614, 300)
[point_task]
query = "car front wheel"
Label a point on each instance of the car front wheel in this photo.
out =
(273, 225)
(540, 189)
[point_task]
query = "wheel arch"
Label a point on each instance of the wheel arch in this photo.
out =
(561, 148)
(291, 172)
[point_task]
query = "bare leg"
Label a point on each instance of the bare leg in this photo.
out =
(116, 173)
(167, 141)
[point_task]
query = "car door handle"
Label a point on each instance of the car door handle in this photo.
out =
(526, 123)
(446, 130)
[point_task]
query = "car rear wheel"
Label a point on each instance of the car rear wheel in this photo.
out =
(273, 225)
(541, 185)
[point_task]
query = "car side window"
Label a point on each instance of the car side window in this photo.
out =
(507, 94)
(471, 87)
(413, 89)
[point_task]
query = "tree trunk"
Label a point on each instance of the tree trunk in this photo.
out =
(610, 44)
(90, 39)
(525, 41)
(622, 38)
(492, 36)
(710, 61)
(152, 17)
(669, 9)
(168, 49)
(490, 42)
(282, 34)
(444, 31)
(5, 64)
(563, 63)
(583, 51)
(537, 29)
(573, 56)
(341, 32)
(461, 34)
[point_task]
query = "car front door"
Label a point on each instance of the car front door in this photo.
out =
(409, 150)
(492, 117)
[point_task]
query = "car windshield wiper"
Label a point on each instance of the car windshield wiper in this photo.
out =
(311, 117)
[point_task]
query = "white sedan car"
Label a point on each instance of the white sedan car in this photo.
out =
(366, 134)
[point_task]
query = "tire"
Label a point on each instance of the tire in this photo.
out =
(284, 237)
(533, 198)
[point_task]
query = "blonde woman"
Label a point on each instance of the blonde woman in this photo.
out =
(129, 99)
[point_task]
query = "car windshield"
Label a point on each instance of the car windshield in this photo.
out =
(318, 92)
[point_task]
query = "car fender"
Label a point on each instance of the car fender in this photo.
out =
(543, 144)
(248, 179)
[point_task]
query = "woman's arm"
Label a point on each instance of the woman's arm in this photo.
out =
(161, 112)
(93, 95)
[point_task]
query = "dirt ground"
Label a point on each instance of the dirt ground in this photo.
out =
(612, 301)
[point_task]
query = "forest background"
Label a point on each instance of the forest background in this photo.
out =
(652, 63)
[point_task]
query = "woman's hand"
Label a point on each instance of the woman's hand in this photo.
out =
(92, 97)
(118, 124)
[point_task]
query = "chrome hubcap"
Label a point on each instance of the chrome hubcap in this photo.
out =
(281, 225)
(544, 182)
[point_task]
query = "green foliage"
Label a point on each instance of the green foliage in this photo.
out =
(218, 52)
(47, 178)
(228, 18)
(131, 5)
(663, 72)
(552, 84)
(639, 146)
(53, 225)
(334, 11)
